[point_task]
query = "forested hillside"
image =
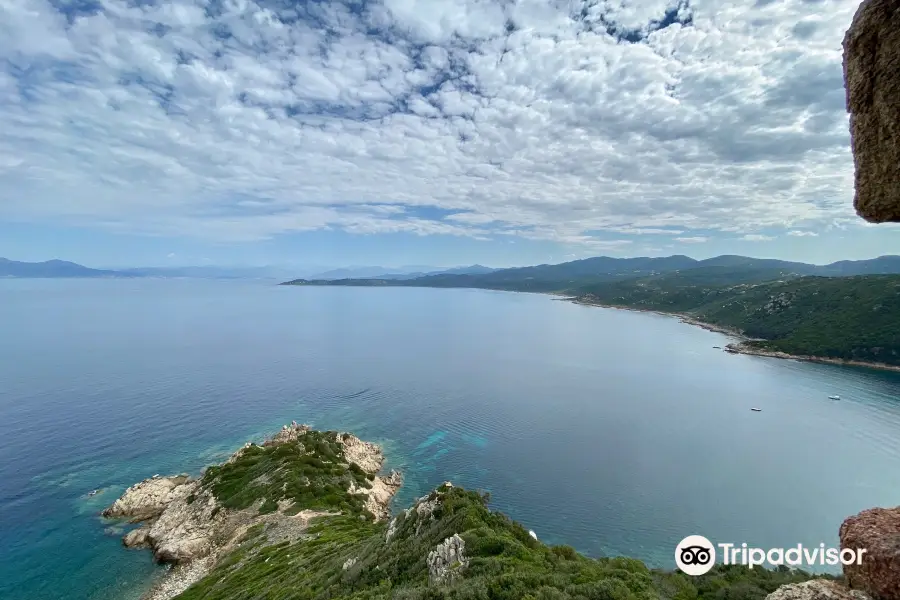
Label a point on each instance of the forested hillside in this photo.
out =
(850, 318)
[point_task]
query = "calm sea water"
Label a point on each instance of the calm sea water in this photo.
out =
(615, 432)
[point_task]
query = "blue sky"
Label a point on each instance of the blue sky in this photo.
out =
(437, 132)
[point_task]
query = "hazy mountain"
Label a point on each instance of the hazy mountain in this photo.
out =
(470, 270)
(579, 273)
(354, 272)
(397, 273)
(730, 260)
(209, 272)
(883, 265)
(60, 268)
(545, 278)
(51, 268)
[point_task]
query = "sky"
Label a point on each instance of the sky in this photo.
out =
(435, 132)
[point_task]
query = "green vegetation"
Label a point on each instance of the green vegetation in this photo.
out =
(568, 276)
(345, 558)
(849, 318)
(312, 472)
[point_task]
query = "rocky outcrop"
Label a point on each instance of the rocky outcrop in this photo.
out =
(148, 499)
(876, 530)
(378, 497)
(186, 526)
(137, 538)
(815, 589)
(186, 529)
(447, 560)
(872, 81)
(181, 526)
(370, 458)
(366, 455)
(288, 433)
(422, 511)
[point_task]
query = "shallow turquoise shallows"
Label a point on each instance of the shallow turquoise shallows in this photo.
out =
(613, 431)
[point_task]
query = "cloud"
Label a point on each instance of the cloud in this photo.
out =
(171, 255)
(799, 233)
(697, 239)
(756, 237)
(245, 119)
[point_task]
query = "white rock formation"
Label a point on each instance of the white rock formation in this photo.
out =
(447, 560)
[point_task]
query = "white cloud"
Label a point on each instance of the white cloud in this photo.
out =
(696, 239)
(757, 237)
(171, 255)
(799, 233)
(244, 119)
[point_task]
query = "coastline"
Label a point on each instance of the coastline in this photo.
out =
(740, 346)
(740, 349)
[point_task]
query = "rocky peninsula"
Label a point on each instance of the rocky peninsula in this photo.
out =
(190, 524)
(306, 515)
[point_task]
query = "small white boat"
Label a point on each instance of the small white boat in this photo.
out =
(834, 397)
(756, 409)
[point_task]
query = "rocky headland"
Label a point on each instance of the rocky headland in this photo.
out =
(190, 524)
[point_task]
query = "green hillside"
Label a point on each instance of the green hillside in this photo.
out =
(571, 275)
(352, 559)
(851, 318)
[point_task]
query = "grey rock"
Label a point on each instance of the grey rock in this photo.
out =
(147, 499)
(447, 560)
(137, 538)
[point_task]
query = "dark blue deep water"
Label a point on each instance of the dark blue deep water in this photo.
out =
(613, 431)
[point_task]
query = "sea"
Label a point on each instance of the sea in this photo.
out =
(615, 432)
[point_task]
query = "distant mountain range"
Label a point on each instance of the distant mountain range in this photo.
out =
(407, 272)
(579, 273)
(65, 269)
(60, 268)
(51, 268)
(539, 278)
(206, 272)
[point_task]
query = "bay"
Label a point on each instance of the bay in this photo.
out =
(612, 431)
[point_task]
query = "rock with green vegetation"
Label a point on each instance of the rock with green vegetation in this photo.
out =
(449, 545)
(290, 519)
(275, 489)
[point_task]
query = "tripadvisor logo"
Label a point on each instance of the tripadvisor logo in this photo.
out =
(696, 555)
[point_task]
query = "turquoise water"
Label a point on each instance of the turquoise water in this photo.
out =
(615, 432)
